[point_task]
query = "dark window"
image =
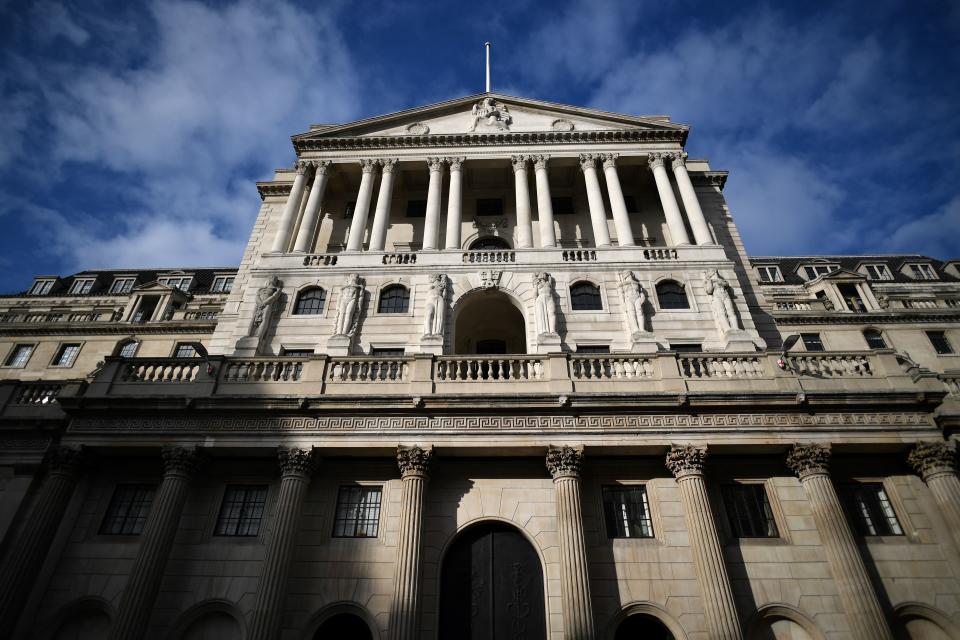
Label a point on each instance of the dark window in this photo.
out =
(870, 510)
(310, 301)
(348, 210)
(686, 347)
(222, 284)
(128, 349)
(128, 510)
(939, 341)
(148, 304)
(416, 208)
(185, 350)
(386, 352)
(671, 295)
(66, 355)
(562, 205)
(585, 296)
(748, 511)
(627, 512)
(19, 356)
(297, 353)
(491, 347)
(874, 339)
(394, 299)
(593, 348)
(489, 207)
(851, 297)
(811, 341)
(241, 511)
(358, 512)
(631, 203)
(490, 243)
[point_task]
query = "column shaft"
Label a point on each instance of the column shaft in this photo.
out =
(431, 223)
(598, 215)
(290, 211)
(521, 188)
(381, 218)
(945, 488)
(362, 208)
(936, 462)
(621, 218)
(455, 204)
(414, 463)
(701, 232)
(308, 226)
(548, 235)
(668, 201)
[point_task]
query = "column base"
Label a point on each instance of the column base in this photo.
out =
(643, 342)
(339, 345)
(431, 344)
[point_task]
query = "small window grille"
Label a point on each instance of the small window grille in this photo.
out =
(870, 510)
(878, 272)
(81, 287)
(41, 287)
(128, 510)
(922, 272)
(19, 356)
(358, 512)
(222, 284)
(66, 355)
(241, 511)
(394, 299)
(815, 271)
(122, 285)
(310, 302)
(626, 511)
(185, 350)
(672, 296)
(748, 511)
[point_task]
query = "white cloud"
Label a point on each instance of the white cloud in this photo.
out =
(933, 235)
(52, 20)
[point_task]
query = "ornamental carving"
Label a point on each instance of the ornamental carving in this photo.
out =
(679, 160)
(435, 311)
(301, 167)
(564, 461)
(519, 163)
(180, 461)
(322, 167)
(265, 307)
(348, 306)
(435, 165)
(456, 163)
(545, 307)
(721, 304)
(540, 162)
(562, 124)
(368, 166)
(388, 164)
(610, 160)
(490, 226)
(684, 460)
(490, 279)
(587, 162)
(656, 159)
(490, 114)
(928, 458)
(809, 459)
(296, 462)
(414, 460)
(418, 129)
(65, 460)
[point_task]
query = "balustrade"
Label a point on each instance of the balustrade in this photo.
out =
(579, 255)
(489, 369)
(262, 370)
(793, 306)
(159, 370)
(406, 257)
(721, 367)
(368, 370)
(660, 254)
(610, 367)
(36, 393)
(830, 366)
(320, 260)
(486, 257)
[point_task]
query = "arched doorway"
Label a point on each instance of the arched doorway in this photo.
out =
(489, 243)
(491, 586)
(343, 625)
(641, 625)
(488, 322)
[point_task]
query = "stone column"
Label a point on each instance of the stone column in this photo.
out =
(362, 209)
(667, 200)
(431, 223)
(548, 236)
(159, 532)
(701, 232)
(414, 463)
(936, 462)
(381, 218)
(292, 208)
(308, 226)
(521, 188)
(28, 550)
(686, 464)
(455, 203)
(296, 468)
(564, 463)
(864, 614)
(621, 218)
(598, 215)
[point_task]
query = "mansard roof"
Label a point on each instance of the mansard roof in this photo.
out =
(202, 279)
(789, 265)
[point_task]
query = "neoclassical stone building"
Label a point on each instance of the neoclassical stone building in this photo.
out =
(490, 368)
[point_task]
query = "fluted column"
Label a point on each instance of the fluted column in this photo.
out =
(292, 208)
(621, 218)
(864, 614)
(29, 549)
(701, 232)
(308, 226)
(296, 468)
(598, 215)
(548, 235)
(667, 200)
(381, 217)
(431, 223)
(564, 464)
(455, 203)
(521, 187)
(936, 462)
(686, 464)
(159, 532)
(362, 208)
(414, 463)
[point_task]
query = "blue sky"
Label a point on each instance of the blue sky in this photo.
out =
(131, 133)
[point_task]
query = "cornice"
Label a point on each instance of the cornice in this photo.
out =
(63, 328)
(787, 318)
(716, 179)
(274, 189)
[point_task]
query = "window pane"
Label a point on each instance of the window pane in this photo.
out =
(310, 302)
(129, 349)
(627, 512)
(811, 341)
(874, 339)
(869, 509)
(358, 512)
(394, 299)
(672, 296)
(128, 510)
(20, 355)
(184, 351)
(939, 341)
(66, 355)
(584, 296)
(241, 511)
(748, 511)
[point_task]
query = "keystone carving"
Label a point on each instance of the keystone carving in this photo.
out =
(809, 459)
(564, 461)
(684, 460)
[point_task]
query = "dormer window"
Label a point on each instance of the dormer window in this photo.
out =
(81, 286)
(770, 274)
(921, 271)
(878, 272)
(222, 284)
(41, 287)
(122, 285)
(814, 271)
(180, 282)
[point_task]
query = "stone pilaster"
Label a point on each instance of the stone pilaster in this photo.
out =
(431, 222)
(548, 235)
(291, 209)
(358, 225)
(381, 217)
(668, 201)
(686, 464)
(455, 203)
(564, 464)
(936, 462)
(621, 218)
(414, 463)
(159, 532)
(29, 549)
(308, 226)
(598, 215)
(522, 192)
(701, 232)
(864, 614)
(296, 469)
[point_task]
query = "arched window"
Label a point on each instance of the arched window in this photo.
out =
(585, 296)
(489, 243)
(310, 302)
(127, 348)
(874, 339)
(394, 299)
(672, 296)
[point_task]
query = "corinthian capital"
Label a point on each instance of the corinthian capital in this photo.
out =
(655, 160)
(301, 166)
(809, 459)
(564, 461)
(540, 162)
(456, 163)
(685, 460)
(322, 166)
(587, 161)
(519, 163)
(296, 462)
(65, 460)
(679, 159)
(933, 458)
(435, 164)
(180, 461)
(610, 160)
(387, 164)
(414, 460)
(368, 165)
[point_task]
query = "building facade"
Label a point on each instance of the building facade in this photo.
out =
(489, 368)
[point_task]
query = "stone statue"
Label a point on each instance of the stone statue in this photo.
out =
(348, 307)
(545, 311)
(724, 314)
(435, 312)
(489, 112)
(267, 297)
(634, 297)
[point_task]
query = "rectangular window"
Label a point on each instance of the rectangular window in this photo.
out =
(129, 349)
(81, 287)
(241, 511)
(922, 272)
(122, 285)
(128, 510)
(562, 205)
(19, 356)
(184, 350)
(870, 510)
(748, 511)
(296, 353)
(815, 271)
(358, 512)
(686, 347)
(386, 352)
(878, 272)
(416, 208)
(626, 512)
(874, 339)
(348, 210)
(222, 284)
(66, 355)
(41, 288)
(489, 207)
(770, 274)
(811, 341)
(180, 282)
(593, 348)
(940, 343)
(851, 297)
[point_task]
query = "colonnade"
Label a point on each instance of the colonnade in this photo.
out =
(521, 164)
(934, 461)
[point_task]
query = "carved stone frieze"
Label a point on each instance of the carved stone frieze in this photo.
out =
(181, 461)
(809, 459)
(296, 462)
(414, 460)
(932, 458)
(684, 460)
(562, 124)
(418, 129)
(564, 461)
(490, 279)
(489, 226)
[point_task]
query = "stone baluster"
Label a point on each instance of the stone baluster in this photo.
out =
(701, 232)
(564, 464)
(431, 223)
(936, 462)
(548, 235)
(414, 463)
(292, 208)
(28, 550)
(159, 532)
(308, 226)
(621, 217)
(678, 232)
(864, 614)
(686, 464)
(296, 469)
(455, 203)
(598, 214)
(381, 217)
(521, 187)
(362, 208)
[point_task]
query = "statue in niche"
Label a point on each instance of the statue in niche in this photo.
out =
(724, 314)
(634, 297)
(545, 309)
(490, 113)
(435, 312)
(348, 307)
(267, 297)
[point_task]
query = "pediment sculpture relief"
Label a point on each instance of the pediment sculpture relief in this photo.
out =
(490, 114)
